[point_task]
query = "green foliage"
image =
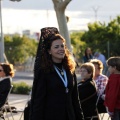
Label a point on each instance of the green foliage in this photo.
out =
(21, 88)
(77, 43)
(104, 38)
(19, 49)
(101, 37)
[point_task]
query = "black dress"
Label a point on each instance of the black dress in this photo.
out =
(50, 101)
(5, 85)
(88, 96)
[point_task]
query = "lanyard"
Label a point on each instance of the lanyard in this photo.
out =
(64, 80)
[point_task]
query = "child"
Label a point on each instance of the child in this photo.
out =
(112, 97)
(88, 90)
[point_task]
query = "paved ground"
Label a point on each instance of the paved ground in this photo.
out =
(19, 101)
(23, 77)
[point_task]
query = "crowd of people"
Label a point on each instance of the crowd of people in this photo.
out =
(56, 95)
(88, 55)
(107, 79)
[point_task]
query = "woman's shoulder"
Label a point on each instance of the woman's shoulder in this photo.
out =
(102, 76)
(114, 77)
(84, 83)
(6, 79)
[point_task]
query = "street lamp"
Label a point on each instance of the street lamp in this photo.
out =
(1, 35)
(96, 10)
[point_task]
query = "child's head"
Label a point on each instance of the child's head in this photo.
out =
(98, 66)
(87, 70)
(113, 64)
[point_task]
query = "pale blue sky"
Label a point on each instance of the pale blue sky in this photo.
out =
(35, 14)
(84, 5)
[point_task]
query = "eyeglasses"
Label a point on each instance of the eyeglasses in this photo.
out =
(1, 70)
(83, 71)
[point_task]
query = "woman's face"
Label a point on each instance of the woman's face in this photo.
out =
(84, 74)
(57, 50)
(2, 73)
(88, 51)
(97, 70)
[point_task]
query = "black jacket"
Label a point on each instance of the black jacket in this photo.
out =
(88, 96)
(5, 85)
(49, 100)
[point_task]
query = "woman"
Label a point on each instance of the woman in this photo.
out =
(101, 82)
(54, 93)
(87, 90)
(6, 74)
(88, 55)
(100, 79)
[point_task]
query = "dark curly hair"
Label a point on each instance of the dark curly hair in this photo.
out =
(46, 60)
(8, 69)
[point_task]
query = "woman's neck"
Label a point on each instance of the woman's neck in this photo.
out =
(57, 60)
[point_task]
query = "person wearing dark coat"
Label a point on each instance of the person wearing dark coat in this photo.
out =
(6, 74)
(88, 55)
(54, 93)
(88, 91)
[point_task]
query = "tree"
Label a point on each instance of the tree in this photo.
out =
(60, 6)
(19, 49)
(99, 35)
(78, 45)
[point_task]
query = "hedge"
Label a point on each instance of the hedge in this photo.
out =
(21, 88)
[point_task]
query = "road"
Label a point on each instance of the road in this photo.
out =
(23, 77)
(20, 101)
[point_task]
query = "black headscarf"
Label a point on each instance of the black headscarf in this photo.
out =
(46, 34)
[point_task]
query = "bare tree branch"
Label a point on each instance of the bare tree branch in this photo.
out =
(60, 6)
(66, 2)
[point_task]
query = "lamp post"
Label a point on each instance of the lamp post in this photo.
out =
(96, 10)
(1, 35)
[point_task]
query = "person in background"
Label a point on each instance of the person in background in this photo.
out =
(88, 55)
(101, 82)
(6, 74)
(88, 91)
(101, 57)
(100, 79)
(54, 92)
(112, 93)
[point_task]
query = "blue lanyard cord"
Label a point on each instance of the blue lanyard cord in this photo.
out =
(64, 80)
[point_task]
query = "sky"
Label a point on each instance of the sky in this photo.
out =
(36, 14)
